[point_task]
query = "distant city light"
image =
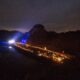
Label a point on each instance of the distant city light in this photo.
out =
(45, 48)
(24, 41)
(10, 47)
(11, 41)
(57, 57)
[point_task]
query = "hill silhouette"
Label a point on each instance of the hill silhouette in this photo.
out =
(66, 41)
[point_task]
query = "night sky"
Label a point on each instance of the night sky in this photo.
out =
(55, 15)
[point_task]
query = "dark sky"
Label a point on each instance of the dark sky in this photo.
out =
(58, 15)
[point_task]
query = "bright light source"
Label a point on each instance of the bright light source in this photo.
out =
(39, 54)
(45, 48)
(23, 41)
(11, 41)
(59, 59)
(10, 47)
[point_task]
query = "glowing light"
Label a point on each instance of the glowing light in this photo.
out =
(24, 41)
(45, 48)
(10, 47)
(59, 59)
(39, 54)
(11, 41)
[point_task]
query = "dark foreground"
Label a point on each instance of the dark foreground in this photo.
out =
(14, 65)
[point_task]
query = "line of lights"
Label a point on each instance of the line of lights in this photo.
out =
(55, 56)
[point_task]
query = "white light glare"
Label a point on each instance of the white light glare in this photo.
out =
(10, 47)
(11, 41)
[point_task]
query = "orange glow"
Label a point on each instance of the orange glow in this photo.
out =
(54, 56)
